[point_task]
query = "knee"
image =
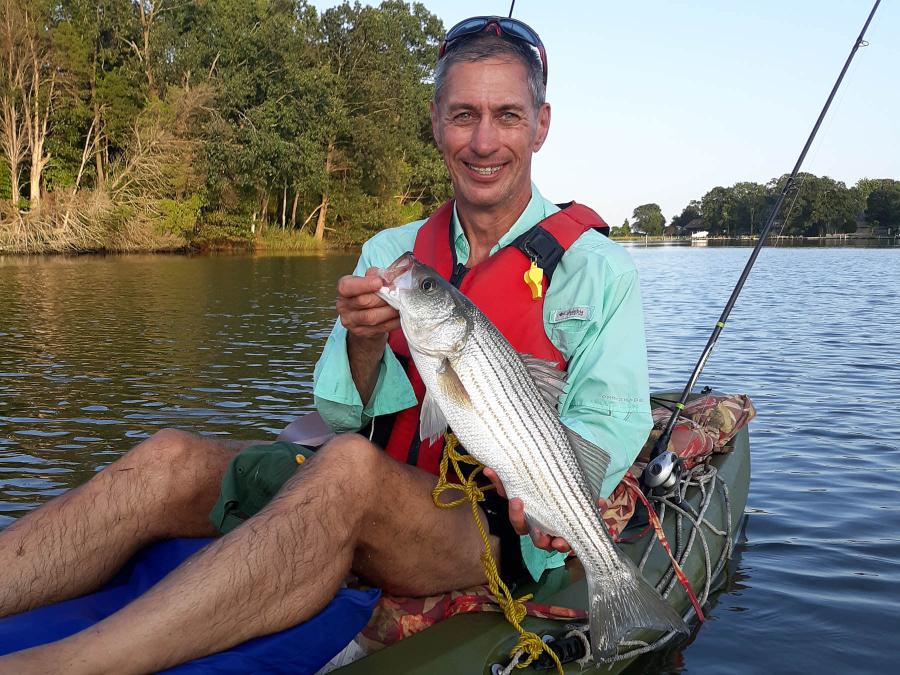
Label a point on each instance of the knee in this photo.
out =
(170, 460)
(354, 458)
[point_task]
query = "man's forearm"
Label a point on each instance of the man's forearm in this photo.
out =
(364, 356)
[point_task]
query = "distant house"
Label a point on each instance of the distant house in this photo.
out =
(865, 228)
(696, 225)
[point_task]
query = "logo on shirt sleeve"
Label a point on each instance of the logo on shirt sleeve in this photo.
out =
(580, 313)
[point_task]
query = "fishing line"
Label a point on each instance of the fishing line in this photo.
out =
(659, 456)
(787, 216)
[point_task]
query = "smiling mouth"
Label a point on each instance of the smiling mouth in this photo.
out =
(484, 170)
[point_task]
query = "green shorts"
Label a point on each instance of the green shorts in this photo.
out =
(255, 475)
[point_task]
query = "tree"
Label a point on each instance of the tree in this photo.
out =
(883, 205)
(14, 73)
(751, 205)
(624, 230)
(816, 206)
(648, 219)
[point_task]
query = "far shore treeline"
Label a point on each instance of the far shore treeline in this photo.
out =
(160, 124)
(814, 207)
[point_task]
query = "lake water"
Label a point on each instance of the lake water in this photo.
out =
(97, 353)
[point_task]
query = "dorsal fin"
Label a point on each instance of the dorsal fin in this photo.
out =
(550, 380)
(593, 461)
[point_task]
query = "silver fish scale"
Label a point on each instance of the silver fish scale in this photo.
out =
(513, 430)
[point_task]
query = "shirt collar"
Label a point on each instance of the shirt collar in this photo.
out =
(534, 213)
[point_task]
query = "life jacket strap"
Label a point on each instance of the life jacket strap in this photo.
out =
(540, 247)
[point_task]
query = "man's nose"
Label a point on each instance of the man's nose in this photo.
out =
(485, 139)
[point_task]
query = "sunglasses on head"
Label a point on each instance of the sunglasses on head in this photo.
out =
(504, 26)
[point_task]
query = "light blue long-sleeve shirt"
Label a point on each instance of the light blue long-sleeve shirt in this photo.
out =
(592, 314)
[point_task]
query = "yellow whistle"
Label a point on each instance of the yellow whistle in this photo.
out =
(533, 277)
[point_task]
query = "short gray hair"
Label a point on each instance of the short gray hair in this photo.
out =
(481, 46)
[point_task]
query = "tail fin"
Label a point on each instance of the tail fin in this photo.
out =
(623, 603)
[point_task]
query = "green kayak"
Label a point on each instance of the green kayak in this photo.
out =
(481, 642)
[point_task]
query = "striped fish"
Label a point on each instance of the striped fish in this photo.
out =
(502, 407)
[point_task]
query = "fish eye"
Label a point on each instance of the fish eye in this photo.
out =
(428, 285)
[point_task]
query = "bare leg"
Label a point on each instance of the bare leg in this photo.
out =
(350, 505)
(165, 487)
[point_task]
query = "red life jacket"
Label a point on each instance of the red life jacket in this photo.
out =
(497, 287)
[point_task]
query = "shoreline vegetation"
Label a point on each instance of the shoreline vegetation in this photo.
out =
(164, 125)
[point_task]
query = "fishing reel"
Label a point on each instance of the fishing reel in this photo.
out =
(663, 473)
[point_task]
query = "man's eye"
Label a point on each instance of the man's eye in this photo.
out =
(510, 117)
(464, 117)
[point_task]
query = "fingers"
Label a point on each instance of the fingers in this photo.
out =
(491, 475)
(517, 516)
(350, 286)
(540, 539)
(363, 313)
(561, 545)
(371, 317)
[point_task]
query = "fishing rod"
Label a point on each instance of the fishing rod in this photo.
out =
(664, 468)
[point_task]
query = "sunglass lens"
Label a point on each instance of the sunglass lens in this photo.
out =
(521, 32)
(465, 27)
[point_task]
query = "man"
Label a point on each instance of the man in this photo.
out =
(352, 506)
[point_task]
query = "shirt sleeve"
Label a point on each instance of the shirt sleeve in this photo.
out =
(336, 396)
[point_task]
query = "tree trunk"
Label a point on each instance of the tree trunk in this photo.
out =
(264, 216)
(37, 116)
(14, 77)
(323, 209)
(98, 156)
(13, 144)
(320, 223)
(294, 211)
(284, 208)
(35, 193)
(148, 14)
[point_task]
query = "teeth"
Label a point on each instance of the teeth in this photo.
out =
(485, 171)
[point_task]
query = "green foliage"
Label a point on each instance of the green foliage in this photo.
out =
(648, 219)
(5, 182)
(180, 217)
(883, 205)
(814, 206)
(624, 230)
(285, 103)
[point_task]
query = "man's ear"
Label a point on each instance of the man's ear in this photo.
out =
(436, 125)
(543, 126)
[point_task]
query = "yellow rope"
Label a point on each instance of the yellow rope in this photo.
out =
(514, 610)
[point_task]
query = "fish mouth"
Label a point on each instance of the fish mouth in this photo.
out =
(396, 269)
(393, 274)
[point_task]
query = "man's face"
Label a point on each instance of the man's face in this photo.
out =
(487, 128)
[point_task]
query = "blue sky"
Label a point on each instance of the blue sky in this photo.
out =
(661, 101)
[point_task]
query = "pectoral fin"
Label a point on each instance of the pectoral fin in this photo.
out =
(432, 423)
(593, 461)
(451, 386)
